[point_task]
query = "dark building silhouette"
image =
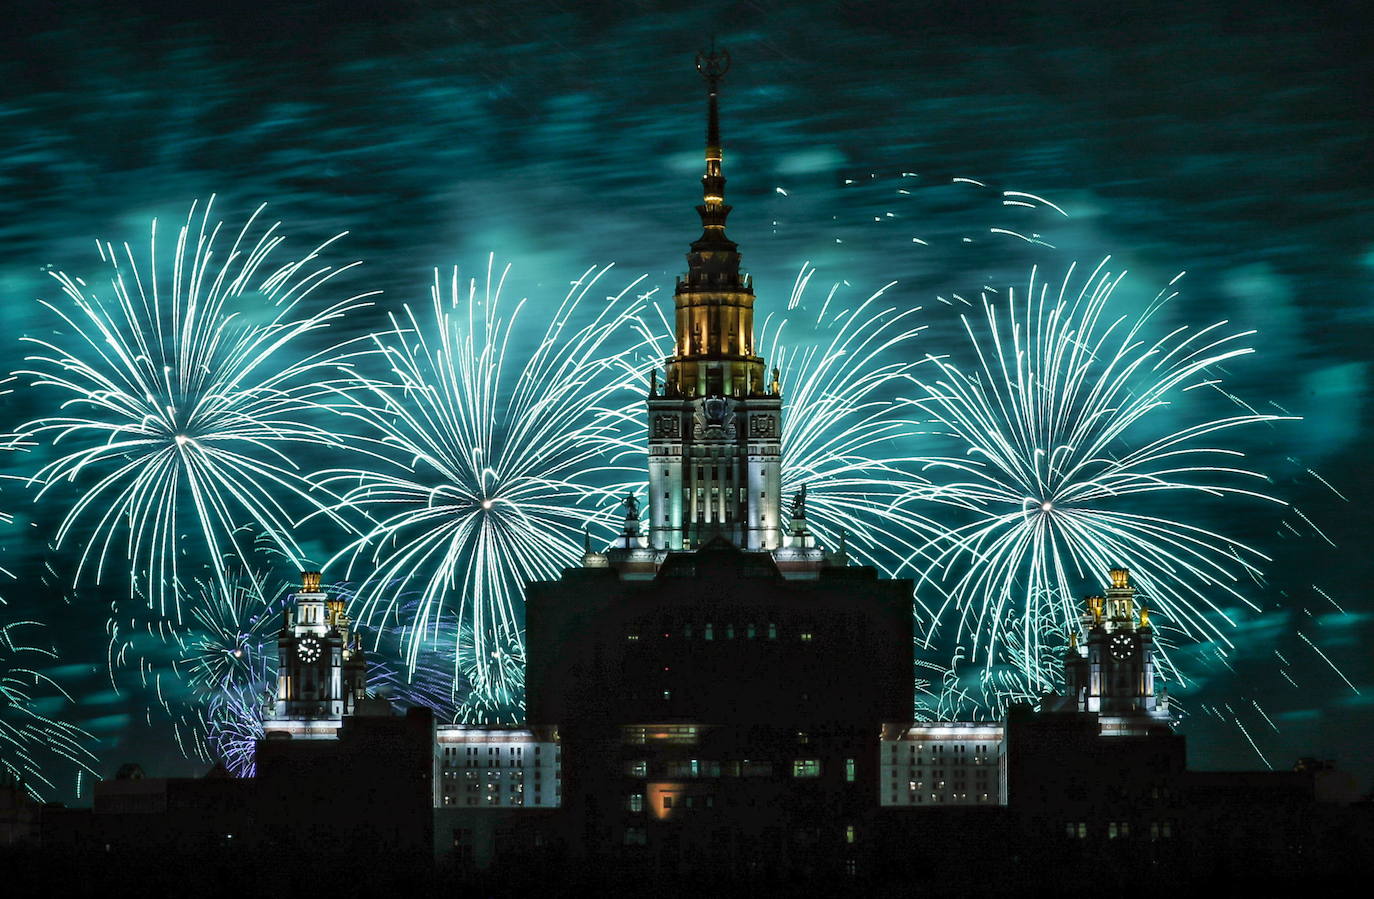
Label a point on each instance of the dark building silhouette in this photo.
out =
(372, 786)
(719, 710)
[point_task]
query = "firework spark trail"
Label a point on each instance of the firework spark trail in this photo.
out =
(234, 725)
(1327, 660)
(1266, 717)
(490, 461)
(31, 742)
(435, 680)
(1235, 719)
(180, 412)
(1051, 433)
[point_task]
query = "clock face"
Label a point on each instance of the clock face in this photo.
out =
(309, 650)
(1121, 647)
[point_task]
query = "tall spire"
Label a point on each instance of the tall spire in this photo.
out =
(713, 65)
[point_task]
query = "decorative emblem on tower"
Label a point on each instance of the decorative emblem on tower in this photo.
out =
(715, 429)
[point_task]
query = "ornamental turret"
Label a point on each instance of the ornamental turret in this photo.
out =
(1110, 670)
(321, 665)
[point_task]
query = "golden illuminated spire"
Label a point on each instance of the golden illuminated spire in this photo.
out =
(713, 210)
(714, 302)
(310, 582)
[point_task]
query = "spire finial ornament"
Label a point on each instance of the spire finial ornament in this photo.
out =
(713, 66)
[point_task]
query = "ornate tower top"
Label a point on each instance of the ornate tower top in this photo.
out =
(714, 302)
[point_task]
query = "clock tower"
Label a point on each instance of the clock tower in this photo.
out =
(715, 429)
(321, 667)
(1112, 671)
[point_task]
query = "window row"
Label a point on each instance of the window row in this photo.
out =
(709, 631)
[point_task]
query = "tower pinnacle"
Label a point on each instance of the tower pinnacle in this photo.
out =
(713, 210)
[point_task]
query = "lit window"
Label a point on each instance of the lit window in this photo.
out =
(849, 834)
(751, 632)
(638, 768)
(806, 768)
(710, 633)
(772, 631)
(667, 694)
(849, 770)
(806, 636)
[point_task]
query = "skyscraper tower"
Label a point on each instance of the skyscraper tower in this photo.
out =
(715, 431)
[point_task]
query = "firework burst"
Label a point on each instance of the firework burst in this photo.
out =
(487, 463)
(183, 394)
(230, 639)
(1060, 445)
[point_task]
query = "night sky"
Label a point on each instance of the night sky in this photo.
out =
(1230, 140)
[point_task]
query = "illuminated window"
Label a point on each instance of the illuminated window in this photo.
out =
(806, 636)
(772, 631)
(751, 632)
(806, 768)
(667, 694)
(710, 633)
(849, 835)
(849, 770)
(638, 768)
